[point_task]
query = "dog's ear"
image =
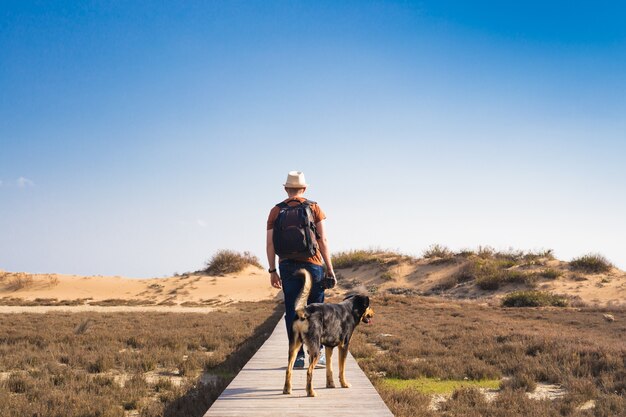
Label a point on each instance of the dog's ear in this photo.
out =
(361, 302)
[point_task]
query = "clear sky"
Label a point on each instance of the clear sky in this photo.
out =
(137, 138)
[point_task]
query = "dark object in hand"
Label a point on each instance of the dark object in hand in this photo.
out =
(328, 282)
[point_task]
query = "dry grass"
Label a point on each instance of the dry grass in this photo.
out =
(417, 337)
(492, 273)
(107, 364)
(229, 262)
(592, 263)
(551, 273)
(359, 257)
(17, 281)
(109, 302)
(533, 299)
(437, 251)
(14, 301)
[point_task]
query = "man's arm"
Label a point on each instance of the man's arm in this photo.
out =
(271, 259)
(323, 243)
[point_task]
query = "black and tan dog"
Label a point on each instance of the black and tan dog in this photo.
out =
(329, 325)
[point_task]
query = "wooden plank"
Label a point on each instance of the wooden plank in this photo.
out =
(257, 389)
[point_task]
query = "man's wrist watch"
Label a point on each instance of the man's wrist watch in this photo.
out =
(271, 270)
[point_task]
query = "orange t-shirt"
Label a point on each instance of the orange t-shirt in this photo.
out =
(318, 216)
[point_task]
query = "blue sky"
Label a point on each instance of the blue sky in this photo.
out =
(137, 138)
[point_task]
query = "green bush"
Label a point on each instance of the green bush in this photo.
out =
(533, 299)
(494, 280)
(437, 251)
(551, 273)
(358, 257)
(228, 262)
(351, 258)
(592, 262)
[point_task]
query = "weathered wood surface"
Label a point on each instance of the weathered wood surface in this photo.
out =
(257, 389)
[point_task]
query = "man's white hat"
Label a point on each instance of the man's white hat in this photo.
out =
(295, 179)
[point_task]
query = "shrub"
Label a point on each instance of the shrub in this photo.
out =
(19, 281)
(551, 273)
(228, 262)
(348, 259)
(465, 253)
(470, 398)
(520, 381)
(101, 364)
(18, 383)
(406, 402)
(387, 276)
(485, 252)
(534, 257)
(533, 299)
(437, 251)
(354, 258)
(83, 326)
(592, 262)
(492, 281)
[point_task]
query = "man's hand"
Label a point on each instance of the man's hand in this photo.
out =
(331, 274)
(275, 280)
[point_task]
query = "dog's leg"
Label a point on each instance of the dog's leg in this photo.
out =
(329, 368)
(343, 354)
(293, 352)
(315, 356)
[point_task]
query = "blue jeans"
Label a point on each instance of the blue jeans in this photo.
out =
(292, 285)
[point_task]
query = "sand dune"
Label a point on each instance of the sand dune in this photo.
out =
(190, 292)
(98, 292)
(422, 276)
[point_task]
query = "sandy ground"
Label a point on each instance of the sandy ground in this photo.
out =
(187, 293)
(103, 309)
(606, 289)
(201, 293)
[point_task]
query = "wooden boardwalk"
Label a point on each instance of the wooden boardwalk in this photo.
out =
(257, 389)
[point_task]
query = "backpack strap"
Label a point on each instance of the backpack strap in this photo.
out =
(285, 204)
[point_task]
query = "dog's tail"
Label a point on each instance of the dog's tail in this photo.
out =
(304, 294)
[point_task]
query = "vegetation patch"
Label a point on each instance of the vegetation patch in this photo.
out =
(110, 302)
(593, 263)
(551, 273)
(17, 281)
(491, 274)
(13, 301)
(495, 280)
(422, 338)
(387, 276)
(228, 261)
(437, 251)
(358, 257)
(107, 364)
(439, 386)
(533, 299)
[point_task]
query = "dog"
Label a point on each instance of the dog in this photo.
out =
(330, 325)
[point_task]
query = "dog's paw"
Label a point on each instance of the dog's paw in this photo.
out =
(311, 394)
(330, 384)
(345, 384)
(286, 390)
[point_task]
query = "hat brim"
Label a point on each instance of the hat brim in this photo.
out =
(295, 185)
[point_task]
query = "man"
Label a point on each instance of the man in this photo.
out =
(292, 285)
